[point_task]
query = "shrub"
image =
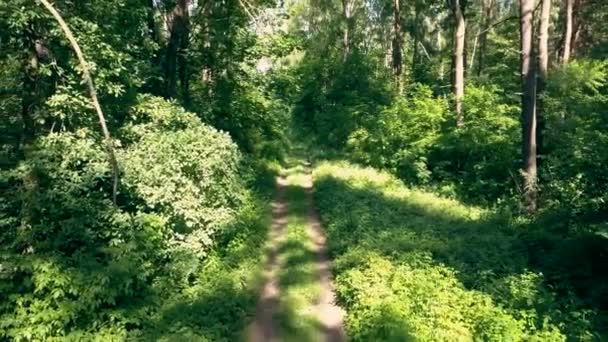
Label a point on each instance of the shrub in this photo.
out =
(480, 158)
(184, 170)
(410, 265)
(185, 233)
(574, 174)
(400, 138)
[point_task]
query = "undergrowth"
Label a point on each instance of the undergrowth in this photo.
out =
(410, 265)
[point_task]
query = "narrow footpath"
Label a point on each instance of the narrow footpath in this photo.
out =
(297, 301)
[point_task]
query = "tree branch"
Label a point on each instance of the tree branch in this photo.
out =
(86, 75)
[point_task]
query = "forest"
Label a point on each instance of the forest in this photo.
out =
(303, 170)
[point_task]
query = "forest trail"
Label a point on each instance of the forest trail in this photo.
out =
(297, 301)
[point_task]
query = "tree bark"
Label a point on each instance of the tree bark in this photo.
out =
(29, 96)
(458, 59)
(177, 33)
(416, 34)
(88, 80)
(182, 60)
(567, 38)
(397, 43)
(543, 67)
(528, 76)
(578, 28)
(346, 38)
(487, 11)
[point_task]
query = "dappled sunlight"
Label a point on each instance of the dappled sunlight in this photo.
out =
(446, 271)
(301, 307)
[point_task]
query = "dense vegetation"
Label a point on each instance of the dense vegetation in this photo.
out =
(139, 142)
(411, 265)
(177, 253)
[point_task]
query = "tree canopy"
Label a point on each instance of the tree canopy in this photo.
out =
(139, 141)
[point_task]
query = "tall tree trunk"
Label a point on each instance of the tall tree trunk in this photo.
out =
(152, 27)
(29, 95)
(578, 26)
(416, 36)
(346, 38)
(528, 76)
(88, 80)
(182, 59)
(487, 11)
(567, 38)
(543, 67)
(397, 43)
(177, 32)
(458, 59)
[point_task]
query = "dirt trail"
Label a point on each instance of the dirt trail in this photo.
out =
(328, 315)
(262, 328)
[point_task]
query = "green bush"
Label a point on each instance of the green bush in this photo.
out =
(480, 158)
(185, 236)
(410, 265)
(574, 174)
(182, 169)
(400, 137)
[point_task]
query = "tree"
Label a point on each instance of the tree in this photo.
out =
(397, 42)
(347, 13)
(487, 13)
(567, 38)
(543, 66)
(86, 76)
(178, 43)
(528, 108)
(457, 7)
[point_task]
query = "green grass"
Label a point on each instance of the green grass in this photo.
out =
(410, 265)
(298, 279)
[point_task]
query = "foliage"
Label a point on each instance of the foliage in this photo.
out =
(479, 159)
(182, 169)
(76, 267)
(575, 170)
(413, 266)
(400, 137)
(337, 98)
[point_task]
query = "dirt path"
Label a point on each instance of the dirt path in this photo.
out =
(273, 310)
(262, 328)
(329, 314)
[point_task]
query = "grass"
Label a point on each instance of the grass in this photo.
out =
(298, 279)
(410, 265)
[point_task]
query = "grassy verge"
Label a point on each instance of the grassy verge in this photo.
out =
(411, 265)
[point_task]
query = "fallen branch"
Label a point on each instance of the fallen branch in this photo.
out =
(86, 75)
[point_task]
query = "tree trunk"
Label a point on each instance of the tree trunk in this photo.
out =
(458, 59)
(567, 39)
(543, 66)
(152, 27)
(487, 11)
(177, 31)
(29, 94)
(578, 26)
(397, 43)
(346, 39)
(528, 76)
(416, 40)
(182, 59)
(88, 80)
